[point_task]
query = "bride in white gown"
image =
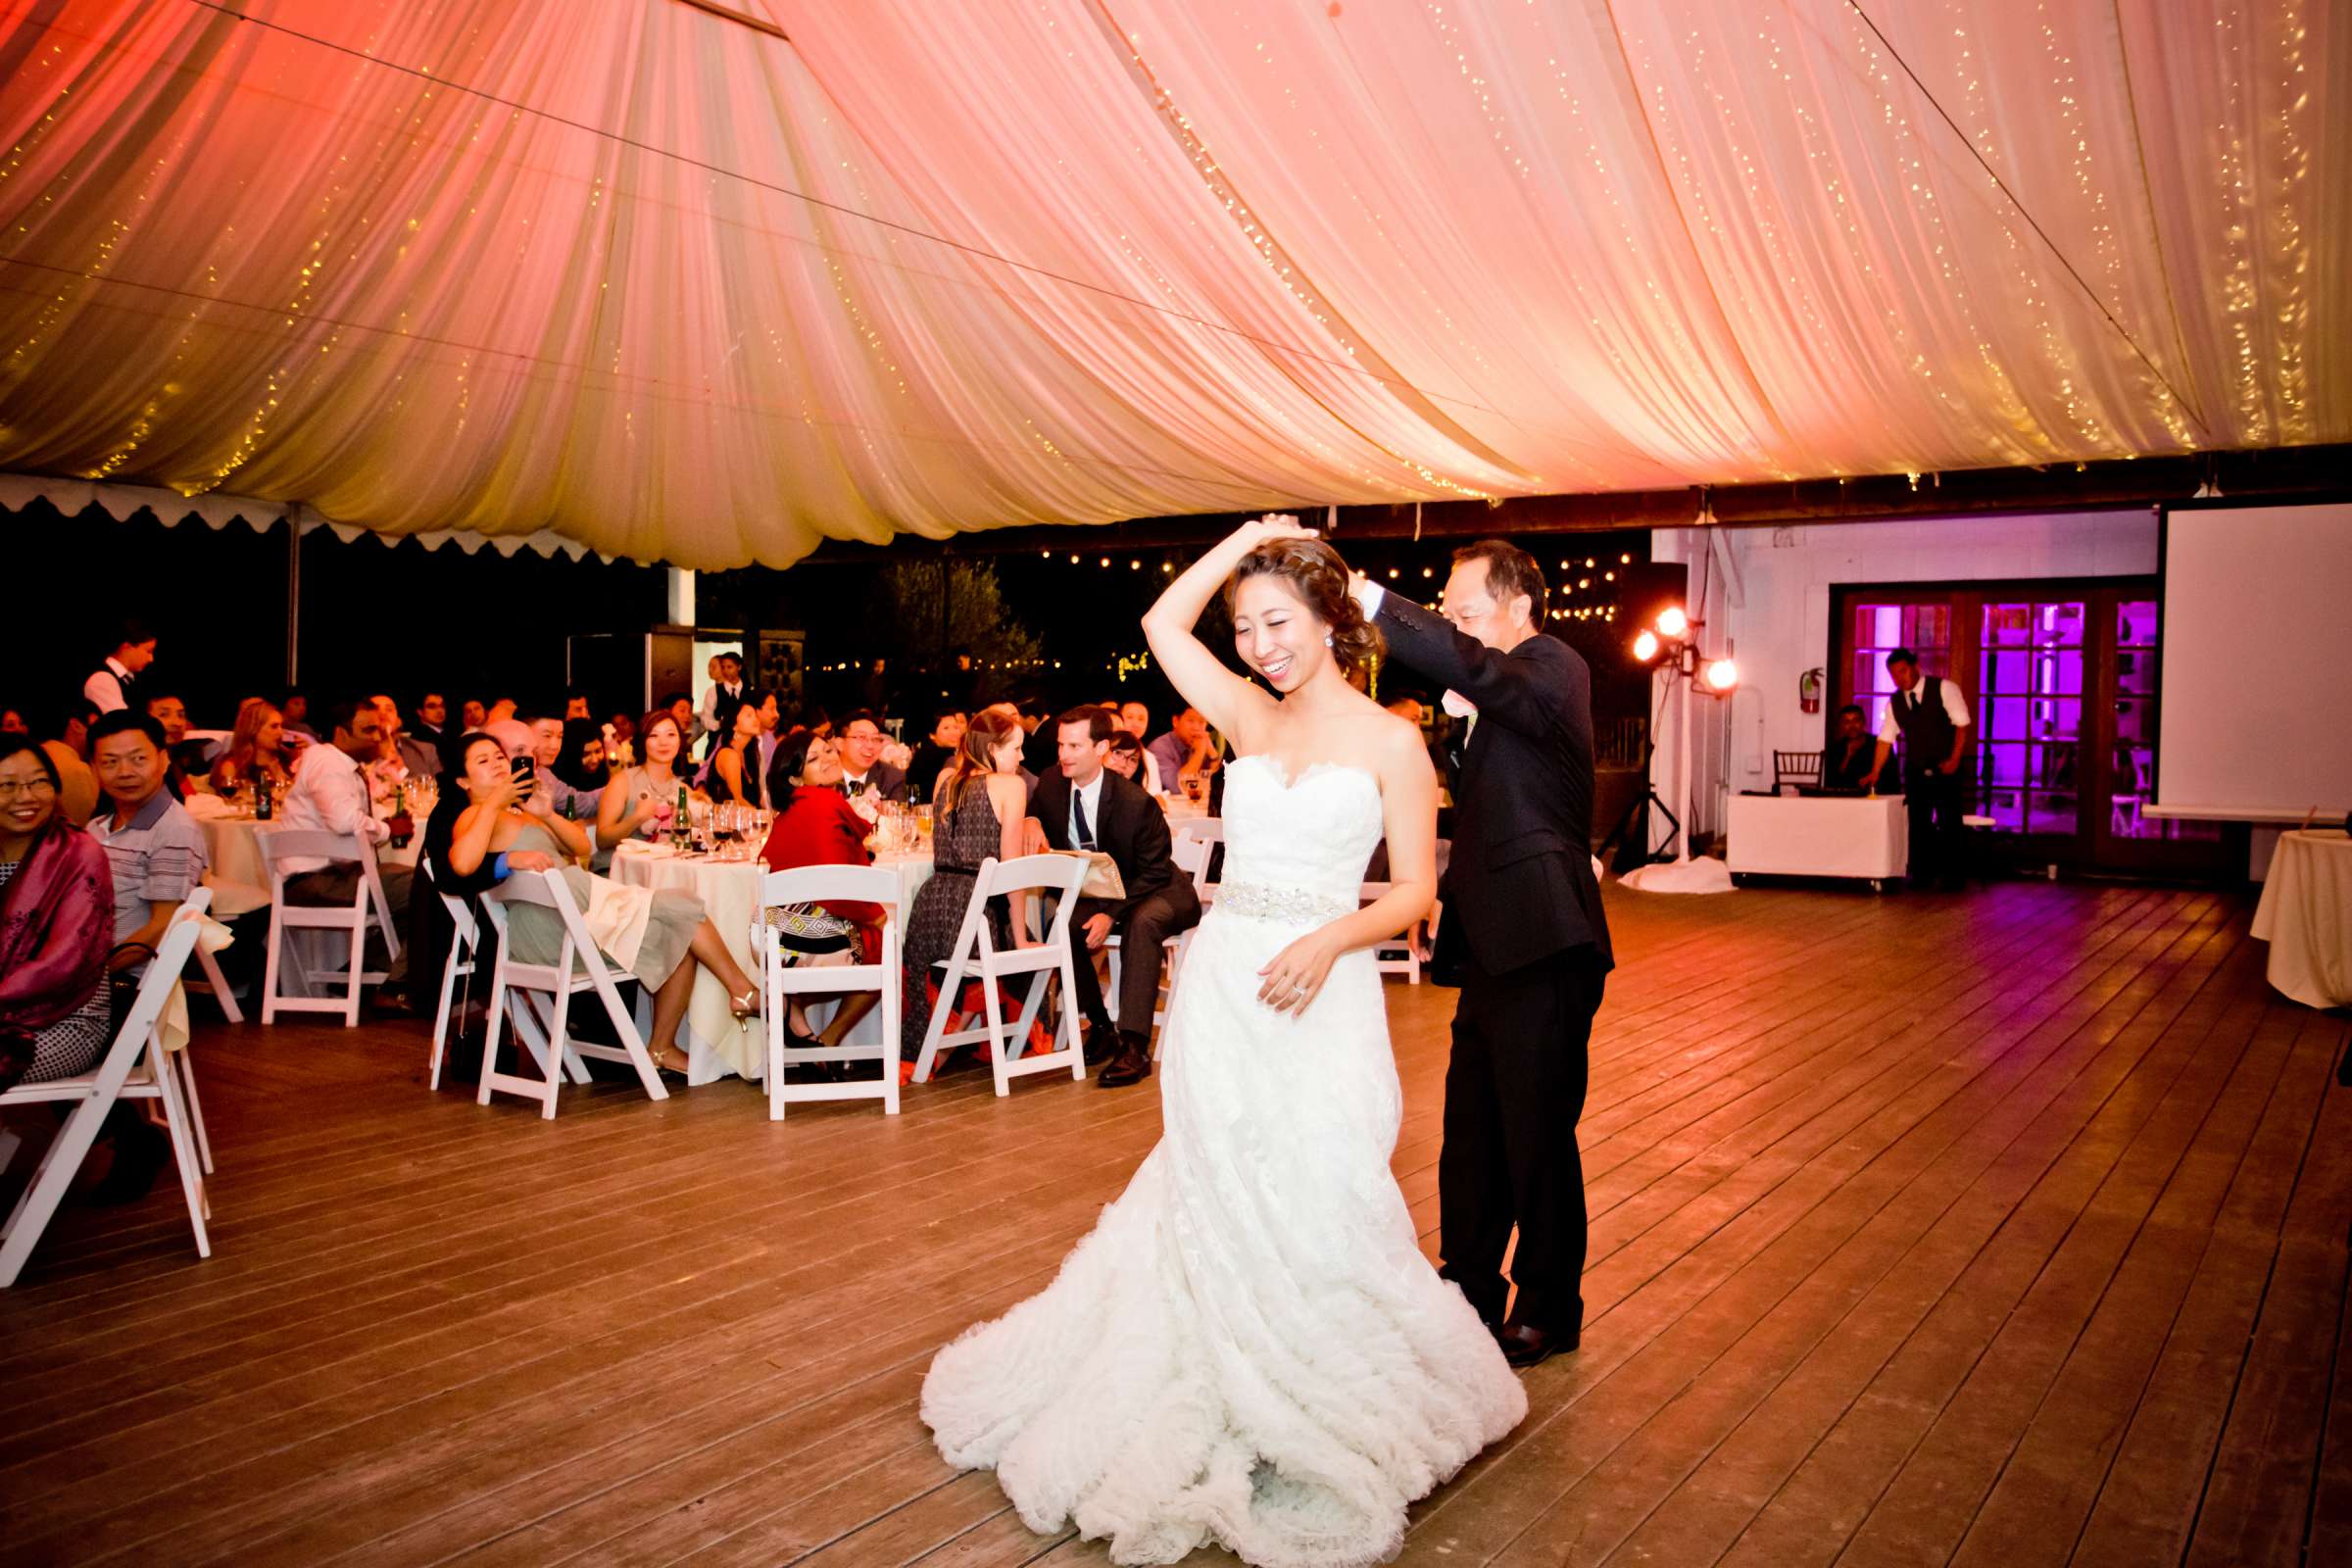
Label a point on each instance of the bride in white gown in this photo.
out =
(1250, 1349)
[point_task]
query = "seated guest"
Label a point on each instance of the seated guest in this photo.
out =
(257, 753)
(153, 846)
(982, 802)
(114, 684)
(1082, 805)
(644, 799)
(13, 723)
(619, 739)
(432, 727)
(575, 706)
(1125, 757)
(863, 770)
(548, 738)
(732, 775)
(932, 756)
(77, 786)
(294, 712)
(1852, 755)
(663, 938)
(471, 716)
(683, 706)
(185, 758)
(57, 921)
(1187, 748)
(1134, 718)
(815, 826)
(330, 795)
(581, 765)
(413, 757)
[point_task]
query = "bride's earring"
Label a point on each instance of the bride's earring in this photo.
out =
(1327, 639)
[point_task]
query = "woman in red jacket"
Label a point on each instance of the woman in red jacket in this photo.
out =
(815, 825)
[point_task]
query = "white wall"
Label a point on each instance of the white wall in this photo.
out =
(1768, 605)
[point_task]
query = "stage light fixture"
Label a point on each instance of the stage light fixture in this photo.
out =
(1645, 646)
(1723, 675)
(1673, 625)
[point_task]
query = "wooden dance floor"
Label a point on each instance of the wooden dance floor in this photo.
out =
(2003, 1228)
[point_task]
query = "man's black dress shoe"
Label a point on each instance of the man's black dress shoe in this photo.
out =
(1525, 1346)
(1132, 1066)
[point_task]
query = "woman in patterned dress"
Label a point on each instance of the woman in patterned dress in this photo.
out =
(982, 805)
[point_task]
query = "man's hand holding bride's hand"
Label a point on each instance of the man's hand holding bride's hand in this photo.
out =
(1297, 972)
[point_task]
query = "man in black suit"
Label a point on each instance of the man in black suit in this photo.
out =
(1521, 918)
(1081, 805)
(861, 764)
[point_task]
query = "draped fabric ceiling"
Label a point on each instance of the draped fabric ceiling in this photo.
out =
(626, 274)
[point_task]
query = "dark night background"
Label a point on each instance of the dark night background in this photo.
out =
(408, 620)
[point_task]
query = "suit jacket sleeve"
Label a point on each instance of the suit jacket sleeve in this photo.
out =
(1151, 852)
(1516, 693)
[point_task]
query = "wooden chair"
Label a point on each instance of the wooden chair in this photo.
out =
(578, 967)
(132, 1068)
(975, 958)
(368, 902)
(820, 884)
(1794, 767)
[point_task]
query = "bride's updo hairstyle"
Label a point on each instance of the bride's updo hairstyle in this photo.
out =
(1317, 579)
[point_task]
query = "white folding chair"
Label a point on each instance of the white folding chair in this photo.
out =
(217, 985)
(135, 1047)
(465, 950)
(831, 884)
(1210, 831)
(368, 902)
(975, 958)
(1396, 956)
(578, 967)
(1189, 853)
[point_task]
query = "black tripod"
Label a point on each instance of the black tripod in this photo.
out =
(1629, 838)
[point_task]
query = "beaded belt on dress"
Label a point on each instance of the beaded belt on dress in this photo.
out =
(1266, 900)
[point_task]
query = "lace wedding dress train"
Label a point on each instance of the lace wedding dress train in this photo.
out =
(1250, 1349)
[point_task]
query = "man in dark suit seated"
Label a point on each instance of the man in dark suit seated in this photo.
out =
(1081, 805)
(861, 766)
(1853, 755)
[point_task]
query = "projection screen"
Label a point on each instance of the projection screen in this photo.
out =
(2255, 722)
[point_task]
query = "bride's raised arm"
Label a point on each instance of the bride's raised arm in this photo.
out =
(1226, 699)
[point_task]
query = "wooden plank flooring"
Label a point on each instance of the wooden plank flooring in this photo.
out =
(2004, 1228)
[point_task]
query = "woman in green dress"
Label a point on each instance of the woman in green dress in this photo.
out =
(665, 934)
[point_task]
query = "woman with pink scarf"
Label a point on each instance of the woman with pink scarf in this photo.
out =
(57, 900)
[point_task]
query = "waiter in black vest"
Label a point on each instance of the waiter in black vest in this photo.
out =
(1521, 921)
(1931, 717)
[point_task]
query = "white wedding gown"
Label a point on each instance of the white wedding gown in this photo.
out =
(1250, 1349)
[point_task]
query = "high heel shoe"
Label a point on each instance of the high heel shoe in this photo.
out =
(746, 1007)
(662, 1066)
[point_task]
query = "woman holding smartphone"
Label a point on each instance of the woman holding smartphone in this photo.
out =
(510, 825)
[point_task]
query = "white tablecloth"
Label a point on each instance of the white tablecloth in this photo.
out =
(232, 847)
(730, 894)
(2306, 916)
(1795, 835)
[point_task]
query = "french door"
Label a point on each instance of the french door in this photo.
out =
(2061, 681)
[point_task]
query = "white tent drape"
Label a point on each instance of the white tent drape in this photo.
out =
(630, 274)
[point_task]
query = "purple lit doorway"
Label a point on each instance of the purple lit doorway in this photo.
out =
(2061, 680)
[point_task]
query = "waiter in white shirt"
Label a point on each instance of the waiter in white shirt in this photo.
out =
(718, 711)
(1931, 717)
(112, 684)
(329, 794)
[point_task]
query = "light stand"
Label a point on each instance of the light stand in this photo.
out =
(1676, 637)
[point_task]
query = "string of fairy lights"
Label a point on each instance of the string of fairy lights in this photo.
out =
(1592, 576)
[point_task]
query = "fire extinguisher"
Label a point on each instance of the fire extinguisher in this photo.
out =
(1808, 691)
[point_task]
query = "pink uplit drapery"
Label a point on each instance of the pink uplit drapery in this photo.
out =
(627, 273)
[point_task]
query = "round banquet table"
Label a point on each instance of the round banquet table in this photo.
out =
(236, 872)
(2306, 916)
(730, 892)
